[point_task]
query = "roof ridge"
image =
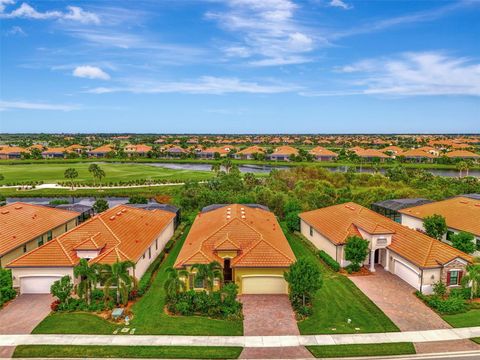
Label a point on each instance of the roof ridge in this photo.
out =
(188, 258)
(110, 231)
(262, 239)
(65, 251)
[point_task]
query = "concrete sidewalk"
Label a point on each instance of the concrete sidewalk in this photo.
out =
(243, 341)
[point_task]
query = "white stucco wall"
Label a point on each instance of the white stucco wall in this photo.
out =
(412, 222)
(320, 241)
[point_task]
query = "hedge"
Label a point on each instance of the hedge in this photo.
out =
(327, 259)
(146, 279)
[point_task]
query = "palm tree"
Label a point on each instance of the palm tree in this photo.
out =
(71, 174)
(208, 273)
(88, 279)
(175, 283)
(117, 275)
(227, 164)
(473, 277)
(96, 171)
(462, 166)
(216, 167)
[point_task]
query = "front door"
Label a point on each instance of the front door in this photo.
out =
(227, 270)
(377, 256)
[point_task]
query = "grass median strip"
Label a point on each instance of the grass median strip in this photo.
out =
(466, 319)
(146, 352)
(331, 351)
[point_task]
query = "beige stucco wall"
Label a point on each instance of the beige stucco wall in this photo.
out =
(144, 262)
(238, 273)
(33, 244)
(18, 273)
(320, 241)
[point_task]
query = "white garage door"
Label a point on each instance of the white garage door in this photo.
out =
(407, 274)
(264, 284)
(37, 284)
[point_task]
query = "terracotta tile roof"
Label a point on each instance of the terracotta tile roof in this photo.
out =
(103, 149)
(222, 150)
(462, 154)
(11, 149)
(321, 151)
(460, 213)
(337, 223)
(56, 150)
(369, 152)
(140, 148)
(416, 153)
(22, 222)
(251, 150)
(123, 231)
(254, 231)
(394, 149)
(285, 150)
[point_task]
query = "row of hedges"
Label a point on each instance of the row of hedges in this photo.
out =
(121, 182)
(454, 302)
(7, 292)
(24, 183)
(328, 260)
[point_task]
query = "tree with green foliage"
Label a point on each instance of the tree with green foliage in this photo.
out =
(228, 165)
(2, 177)
(304, 279)
(464, 241)
(216, 167)
(472, 278)
(292, 221)
(356, 251)
(71, 174)
(97, 172)
(176, 282)
(6, 286)
(100, 205)
(88, 275)
(435, 226)
(207, 273)
(117, 275)
(62, 289)
(138, 200)
(462, 166)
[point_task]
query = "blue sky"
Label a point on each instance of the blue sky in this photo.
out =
(240, 66)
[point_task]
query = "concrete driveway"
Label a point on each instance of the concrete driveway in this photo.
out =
(397, 300)
(22, 315)
(270, 315)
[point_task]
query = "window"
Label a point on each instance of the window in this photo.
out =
(156, 244)
(66, 227)
(40, 241)
(454, 277)
(143, 257)
(24, 248)
(382, 241)
(311, 231)
(198, 283)
(149, 253)
(49, 235)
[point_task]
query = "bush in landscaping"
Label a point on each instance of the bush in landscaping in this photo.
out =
(328, 260)
(453, 304)
(439, 289)
(168, 246)
(7, 292)
(356, 251)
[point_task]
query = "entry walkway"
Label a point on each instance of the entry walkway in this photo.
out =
(244, 341)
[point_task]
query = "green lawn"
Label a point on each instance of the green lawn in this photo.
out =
(149, 316)
(477, 340)
(165, 352)
(54, 173)
(338, 300)
(467, 319)
(330, 351)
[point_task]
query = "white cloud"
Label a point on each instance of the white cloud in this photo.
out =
(15, 30)
(204, 85)
(340, 4)
(90, 72)
(267, 30)
(24, 105)
(74, 13)
(412, 74)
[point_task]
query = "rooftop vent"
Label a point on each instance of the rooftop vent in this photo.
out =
(119, 213)
(5, 212)
(18, 207)
(228, 216)
(243, 216)
(112, 217)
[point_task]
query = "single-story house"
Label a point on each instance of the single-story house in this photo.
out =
(248, 243)
(11, 152)
(463, 154)
(392, 150)
(209, 153)
(370, 154)
(140, 149)
(322, 154)
(283, 153)
(24, 227)
(460, 213)
(120, 233)
(391, 208)
(54, 153)
(418, 259)
(101, 151)
(417, 155)
(174, 150)
(248, 153)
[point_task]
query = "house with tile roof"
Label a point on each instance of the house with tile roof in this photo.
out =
(54, 153)
(283, 153)
(463, 154)
(321, 154)
(120, 233)
(369, 154)
(246, 240)
(11, 152)
(418, 259)
(139, 149)
(24, 227)
(101, 151)
(460, 213)
(417, 155)
(249, 152)
(209, 153)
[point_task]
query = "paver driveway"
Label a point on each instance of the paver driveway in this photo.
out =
(397, 300)
(270, 315)
(22, 315)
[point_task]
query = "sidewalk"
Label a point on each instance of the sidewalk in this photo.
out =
(243, 341)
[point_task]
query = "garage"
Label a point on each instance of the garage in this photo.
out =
(264, 284)
(37, 284)
(407, 274)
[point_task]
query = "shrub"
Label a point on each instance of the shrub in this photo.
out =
(168, 246)
(327, 259)
(6, 286)
(439, 289)
(451, 305)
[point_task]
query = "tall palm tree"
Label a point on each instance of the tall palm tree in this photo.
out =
(88, 279)
(96, 171)
(208, 273)
(473, 277)
(216, 167)
(71, 174)
(462, 166)
(117, 275)
(174, 283)
(227, 164)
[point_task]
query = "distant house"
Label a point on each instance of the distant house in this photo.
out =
(391, 208)
(118, 234)
(283, 153)
(392, 150)
(370, 154)
(209, 153)
(24, 227)
(140, 149)
(417, 155)
(249, 152)
(463, 154)
(11, 152)
(75, 148)
(54, 153)
(322, 154)
(174, 151)
(460, 213)
(416, 258)
(101, 151)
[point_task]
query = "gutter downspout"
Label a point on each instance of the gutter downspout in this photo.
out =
(421, 283)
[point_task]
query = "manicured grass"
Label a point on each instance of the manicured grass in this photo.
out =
(467, 319)
(54, 173)
(338, 300)
(149, 316)
(330, 351)
(477, 340)
(162, 352)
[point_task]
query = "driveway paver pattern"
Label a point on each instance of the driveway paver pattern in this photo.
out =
(269, 315)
